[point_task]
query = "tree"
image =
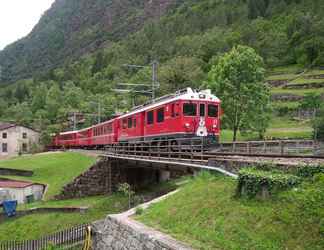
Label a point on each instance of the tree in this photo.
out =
(99, 63)
(238, 79)
(54, 100)
(180, 73)
(318, 124)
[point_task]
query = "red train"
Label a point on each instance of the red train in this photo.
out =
(185, 114)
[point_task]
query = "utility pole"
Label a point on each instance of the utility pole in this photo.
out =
(99, 112)
(74, 121)
(154, 79)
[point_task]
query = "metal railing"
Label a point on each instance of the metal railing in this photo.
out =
(71, 238)
(194, 148)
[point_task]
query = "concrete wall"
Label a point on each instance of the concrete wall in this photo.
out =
(15, 140)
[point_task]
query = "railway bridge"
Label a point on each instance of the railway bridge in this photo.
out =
(140, 166)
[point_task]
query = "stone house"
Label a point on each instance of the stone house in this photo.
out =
(15, 139)
(22, 191)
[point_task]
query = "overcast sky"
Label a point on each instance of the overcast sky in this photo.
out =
(18, 17)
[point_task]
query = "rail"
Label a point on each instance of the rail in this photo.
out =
(71, 238)
(192, 148)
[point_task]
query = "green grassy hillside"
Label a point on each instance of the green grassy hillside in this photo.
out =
(36, 225)
(205, 214)
(53, 169)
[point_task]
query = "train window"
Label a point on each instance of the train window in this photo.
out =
(172, 110)
(134, 122)
(190, 109)
(160, 115)
(130, 122)
(124, 123)
(212, 110)
(202, 110)
(150, 117)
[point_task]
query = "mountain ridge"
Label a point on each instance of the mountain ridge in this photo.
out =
(72, 28)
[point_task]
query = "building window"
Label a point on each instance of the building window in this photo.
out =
(24, 135)
(160, 115)
(212, 110)
(202, 110)
(150, 117)
(4, 135)
(4, 147)
(190, 109)
(24, 147)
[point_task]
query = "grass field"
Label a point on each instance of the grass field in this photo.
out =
(280, 128)
(36, 225)
(206, 215)
(54, 169)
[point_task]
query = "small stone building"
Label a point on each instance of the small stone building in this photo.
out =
(22, 191)
(15, 139)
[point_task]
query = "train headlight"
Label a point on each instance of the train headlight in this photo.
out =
(187, 125)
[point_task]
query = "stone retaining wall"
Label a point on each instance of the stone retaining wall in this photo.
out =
(104, 176)
(121, 232)
(95, 181)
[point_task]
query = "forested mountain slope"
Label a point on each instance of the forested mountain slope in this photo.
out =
(75, 55)
(282, 31)
(71, 28)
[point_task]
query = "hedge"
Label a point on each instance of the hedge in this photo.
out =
(252, 182)
(309, 170)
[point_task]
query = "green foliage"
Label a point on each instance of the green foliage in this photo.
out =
(318, 124)
(205, 215)
(127, 191)
(180, 73)
(187, 38)
(311, 101)
(252, 181)
(139, 211)
(309, 171)
(238, 79)
(309, 200)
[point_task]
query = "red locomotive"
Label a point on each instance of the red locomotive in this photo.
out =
(185, 114)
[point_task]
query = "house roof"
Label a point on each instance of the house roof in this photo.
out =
(15, 184)
(5, 125)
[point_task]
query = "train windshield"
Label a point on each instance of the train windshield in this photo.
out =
(190, 109)
(212, 110)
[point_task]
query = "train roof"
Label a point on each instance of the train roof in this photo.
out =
(69, 132)
(186, 94)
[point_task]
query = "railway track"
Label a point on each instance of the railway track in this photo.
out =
(203, 158)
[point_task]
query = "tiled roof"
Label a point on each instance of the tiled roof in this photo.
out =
(4, 125)
(14, 184)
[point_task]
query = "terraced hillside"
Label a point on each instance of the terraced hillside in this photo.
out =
(289, 86)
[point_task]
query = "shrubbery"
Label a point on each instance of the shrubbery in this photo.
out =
(252, 182)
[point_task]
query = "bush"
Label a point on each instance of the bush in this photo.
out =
(139, 210)
(253, 182)
(309, 171)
